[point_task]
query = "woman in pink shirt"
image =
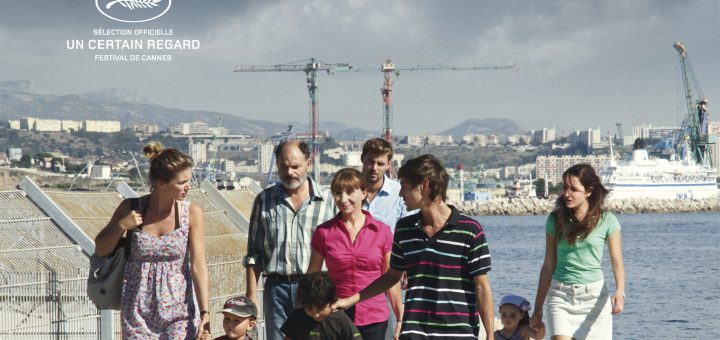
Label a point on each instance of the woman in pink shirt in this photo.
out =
(356, 250)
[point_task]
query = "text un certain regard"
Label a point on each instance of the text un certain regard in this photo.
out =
(133, 44)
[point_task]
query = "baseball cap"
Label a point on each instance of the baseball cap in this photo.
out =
(241, 306)
(517, 301)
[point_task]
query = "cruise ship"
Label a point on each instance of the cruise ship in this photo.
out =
(643, 177)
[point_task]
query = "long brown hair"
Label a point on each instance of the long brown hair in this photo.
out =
(563, 215)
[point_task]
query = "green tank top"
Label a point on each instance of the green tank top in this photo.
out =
(580, 263)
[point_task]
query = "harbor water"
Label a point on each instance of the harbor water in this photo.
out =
(671, 269)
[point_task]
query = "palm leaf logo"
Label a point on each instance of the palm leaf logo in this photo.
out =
(133, 4)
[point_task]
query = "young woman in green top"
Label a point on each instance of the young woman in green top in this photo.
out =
(579, 305)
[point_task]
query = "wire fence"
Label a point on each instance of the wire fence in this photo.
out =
(43, 272)
(48, 299)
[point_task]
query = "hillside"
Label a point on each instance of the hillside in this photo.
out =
(17, 100)
(496, 126)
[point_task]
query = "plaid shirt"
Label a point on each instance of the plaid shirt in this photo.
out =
(279, 238)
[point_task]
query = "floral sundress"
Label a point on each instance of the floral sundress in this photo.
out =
(158, 301)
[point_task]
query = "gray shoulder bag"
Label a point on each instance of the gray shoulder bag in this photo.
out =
(104, 284)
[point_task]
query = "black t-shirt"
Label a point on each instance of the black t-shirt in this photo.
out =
(337, 326)
(225, 337)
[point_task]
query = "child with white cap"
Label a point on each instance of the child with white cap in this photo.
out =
(516, 321)
(239, 316)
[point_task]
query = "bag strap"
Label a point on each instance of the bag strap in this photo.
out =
(134, 205)
(177, 215)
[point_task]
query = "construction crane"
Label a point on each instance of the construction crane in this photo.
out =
(213, 148)
(310, 67)
(391, 71)
(695, 123)
(620, 136)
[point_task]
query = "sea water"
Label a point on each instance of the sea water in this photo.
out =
(671, 270)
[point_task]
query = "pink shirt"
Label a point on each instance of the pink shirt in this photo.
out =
(353, 266)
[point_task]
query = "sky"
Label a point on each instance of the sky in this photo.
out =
(581, 64)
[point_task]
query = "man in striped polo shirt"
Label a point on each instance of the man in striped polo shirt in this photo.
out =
(282, 222)
(446, 257)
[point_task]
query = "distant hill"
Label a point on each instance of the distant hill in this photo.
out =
(17, 100)
(338, 130)
(497, 126)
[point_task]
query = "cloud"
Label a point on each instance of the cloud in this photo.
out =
(593, 57)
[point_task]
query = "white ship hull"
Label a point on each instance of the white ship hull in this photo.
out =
(642, 177)
(663, 191)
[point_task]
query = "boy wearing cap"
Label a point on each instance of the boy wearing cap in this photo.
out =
(516, 321)
(239, 314)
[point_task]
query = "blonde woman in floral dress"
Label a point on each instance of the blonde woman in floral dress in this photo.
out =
(166, 271)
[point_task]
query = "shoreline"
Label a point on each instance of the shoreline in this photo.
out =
(537, 206)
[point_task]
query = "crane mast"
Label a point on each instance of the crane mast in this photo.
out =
(310, 67)
(695, 123)
(389, 69)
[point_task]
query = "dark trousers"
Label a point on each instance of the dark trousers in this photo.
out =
(373, 331)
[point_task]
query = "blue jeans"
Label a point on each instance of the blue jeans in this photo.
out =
(278, 304)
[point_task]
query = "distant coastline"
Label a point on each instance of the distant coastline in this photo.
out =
(536, 206)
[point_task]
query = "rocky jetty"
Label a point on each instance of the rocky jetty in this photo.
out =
(537, 206)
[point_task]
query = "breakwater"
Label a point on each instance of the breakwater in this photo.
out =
(537, 206)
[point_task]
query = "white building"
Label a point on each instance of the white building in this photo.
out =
(714, 133)
(198, 152)
(195, 128)
(543, 136)
(334, 153)
(27, 123)
(351, 159)
(660, 132)
(53, 125)
(246, 168)
(590, 138)
(416, 140)
(475, 139)
(71, 125)
(554, 166)
(526, 170)
(14, 124)
(438, 140)
(14, 154)
(106, 126)
(265, 157)
(100, 172)
(147, 129)
(218, 131)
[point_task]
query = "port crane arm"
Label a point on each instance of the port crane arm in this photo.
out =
(695, 123)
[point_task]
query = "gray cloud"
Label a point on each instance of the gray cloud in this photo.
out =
(582, 64)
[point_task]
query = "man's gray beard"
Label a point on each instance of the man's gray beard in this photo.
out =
(294, 185)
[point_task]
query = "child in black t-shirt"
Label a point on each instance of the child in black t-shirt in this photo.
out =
(315, 320)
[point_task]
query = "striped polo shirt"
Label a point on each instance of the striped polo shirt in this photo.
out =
(440, 301)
